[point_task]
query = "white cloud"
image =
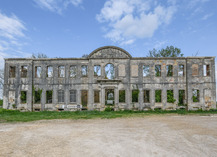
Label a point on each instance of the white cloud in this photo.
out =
(57, 5)
(205, 17)
(131, 19)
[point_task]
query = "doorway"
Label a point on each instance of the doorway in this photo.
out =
(109, 97)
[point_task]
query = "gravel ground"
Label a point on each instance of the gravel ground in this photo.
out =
(163, 135)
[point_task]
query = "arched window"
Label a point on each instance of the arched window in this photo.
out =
(109, 71)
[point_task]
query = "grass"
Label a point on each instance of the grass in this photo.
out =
(17, 116)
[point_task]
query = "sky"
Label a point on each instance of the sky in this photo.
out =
(71, 28)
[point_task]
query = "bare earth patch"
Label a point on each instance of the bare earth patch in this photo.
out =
(156, 135)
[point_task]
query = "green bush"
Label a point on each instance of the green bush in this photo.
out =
(1, 102)
(135, 95)
(170, 97)
(109, 109)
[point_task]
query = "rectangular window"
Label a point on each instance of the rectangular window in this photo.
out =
(84, 98)
(61, 71)
(135, 95)
(181, 97)
(195, 70)
(60, 96)
(97, 70)
(170, 96)
(84, 70)
(169, 70)
(196, 95)
(157, 70)
(73, 96)
(96, 96)
(24, 71)
(158, 96)
(72, 71)
(12, 72)
(37, 71)
(181, 70)
(146, 96)
(206, 70)
(146, 70)
(37, 97)
(49, 71)
(122, 96)
(23, 97)
(49, 95)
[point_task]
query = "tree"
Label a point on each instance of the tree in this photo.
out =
(169, 51)
(39, 55)
(84, 55)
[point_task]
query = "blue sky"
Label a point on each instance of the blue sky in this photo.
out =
(70, 28)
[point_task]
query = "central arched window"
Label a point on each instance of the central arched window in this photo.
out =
(109, 71)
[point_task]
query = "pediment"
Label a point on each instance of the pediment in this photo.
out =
(109, 52)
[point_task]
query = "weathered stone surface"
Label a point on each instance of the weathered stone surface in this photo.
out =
(128, 76)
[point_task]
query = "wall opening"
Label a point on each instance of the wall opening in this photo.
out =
(195, 70)
(206, 70)
(169, 70)
(72, 71)
(170, 96)
(60, 96)
(158, 96)
(49, 71)
(135, 95)
(181, 70)
(84, 70)
(12, 72)
(23, 97)
(146, 96)
(109, 71)
(97, 70)
(61, 71)
(157, 70)
(37, 97)
(24, 71)
(109, 97)
(96, 96)
(196, 95)
(73, 96)
(49, 95)
(84, 98)
(146, 71)
(122, 96)
(181, 97)
(37, 71)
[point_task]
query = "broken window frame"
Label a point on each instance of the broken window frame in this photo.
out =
(135, 96)
(73, 95)
(23, 97)
(96, 96)
(61, 96)
(49, 71)
(12, 71)
(146, 96)
(122, 96)
(181, 71)
(146, 70)
(84, 70)
(24, 70)
(169, 70)
(37, 97)
(72, 71)
(181, 97)
(170, 96)
(158, 70)
(49, 97)
(109, 71)
(61, 71)
(196, 95)
(38, 71)
(158, 97)
(206, 70)
(97, 70)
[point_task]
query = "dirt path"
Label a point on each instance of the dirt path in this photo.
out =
(149, 136)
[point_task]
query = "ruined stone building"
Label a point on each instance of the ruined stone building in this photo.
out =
(109, 76)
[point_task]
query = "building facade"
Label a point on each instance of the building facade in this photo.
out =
(109, 76)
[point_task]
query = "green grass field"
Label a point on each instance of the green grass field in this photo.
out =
(17, 116)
